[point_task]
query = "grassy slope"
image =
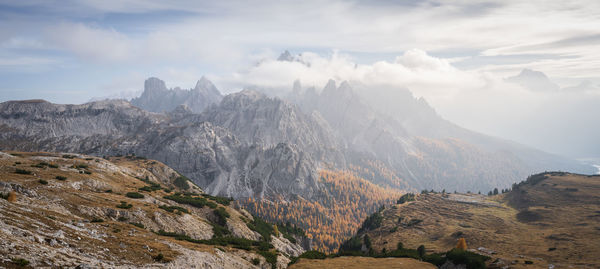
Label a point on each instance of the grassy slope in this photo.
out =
(561, 212)
(362, 262)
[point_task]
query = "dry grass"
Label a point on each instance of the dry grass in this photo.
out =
(362, 262)
(56, 207)
(556, 221)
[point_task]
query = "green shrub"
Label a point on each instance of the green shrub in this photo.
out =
(121, 218)
(22, 171)
(270, 257)
(199, 202)
(124, 205)
(262, 227)
(53, 165)
(221, 215)
(406, 198)
(20, 262)
(96, 220)
(153, 187)
(159, 257)
(353, 244)
(221, 200)
(414, 222)
(289, 231)
(61, 177)
(87, 172)
(219, 230)
(470, 259)
(43, 182)
(181, 182)
(255, 261)
(134, 195)
(371, 222)
(435, 259)
(173, 208)
(67, 156)
(421, 251)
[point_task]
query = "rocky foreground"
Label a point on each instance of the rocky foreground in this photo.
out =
(82, 211)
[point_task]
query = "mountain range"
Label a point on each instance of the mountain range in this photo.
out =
(251, 145)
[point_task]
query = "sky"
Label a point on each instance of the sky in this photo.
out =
(463, 57)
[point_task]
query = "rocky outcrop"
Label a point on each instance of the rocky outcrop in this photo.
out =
(157, 98)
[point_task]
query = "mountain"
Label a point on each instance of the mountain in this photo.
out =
(212, 156)
(157, 98)
(532, 222)
(273, 153)
(403, 143)
(72, 210)
(534, 80)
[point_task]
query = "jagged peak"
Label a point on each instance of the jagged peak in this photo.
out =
(154, 83)
(297, 86)
(330, 85)
(286, 56)
(205, 83)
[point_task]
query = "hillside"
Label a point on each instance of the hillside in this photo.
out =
(552, 218)
(362, 262)
(343, 202)
(77, 210)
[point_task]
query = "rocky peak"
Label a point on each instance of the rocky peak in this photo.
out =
(154, 84)
(157, 98)
(286, 56)
(205, 85)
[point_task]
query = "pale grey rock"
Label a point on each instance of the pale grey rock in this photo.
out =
(157, 98)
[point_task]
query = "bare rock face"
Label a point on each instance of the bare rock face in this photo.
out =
(157, 98)
(211, 156)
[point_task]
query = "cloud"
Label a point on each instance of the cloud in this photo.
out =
(431, 77)
(91, 43)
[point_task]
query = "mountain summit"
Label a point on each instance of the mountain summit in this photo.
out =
(158, 98)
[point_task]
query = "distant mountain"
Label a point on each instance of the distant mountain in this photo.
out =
(400, 141)
(157, 98)
(275, 151)
(534, 80)
(210, 155)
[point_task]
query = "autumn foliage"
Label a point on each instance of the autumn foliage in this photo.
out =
(12, 197)
(462, 244)
(338, 211)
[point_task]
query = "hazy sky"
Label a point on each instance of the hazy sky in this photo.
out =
(456, 54)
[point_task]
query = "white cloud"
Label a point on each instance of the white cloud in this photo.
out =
(91, 43)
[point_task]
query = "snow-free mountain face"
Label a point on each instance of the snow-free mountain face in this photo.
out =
(158, 98)
(251, 145)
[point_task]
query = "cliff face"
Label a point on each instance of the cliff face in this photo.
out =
(210, 155)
